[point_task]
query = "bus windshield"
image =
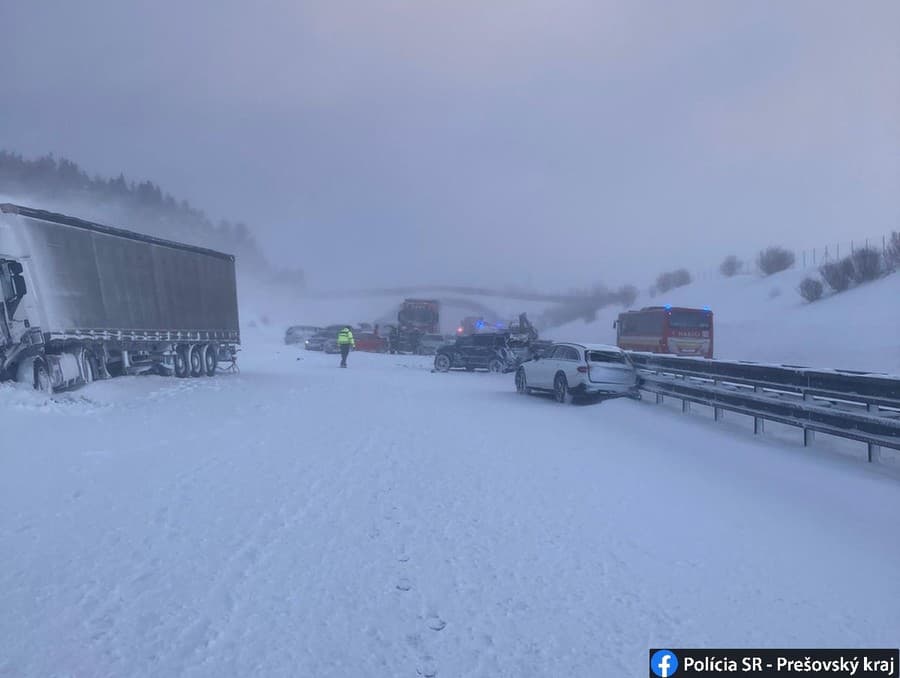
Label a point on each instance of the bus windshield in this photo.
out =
(692, 320)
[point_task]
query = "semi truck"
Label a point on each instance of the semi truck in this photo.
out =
(422, 315)
(84, 301)
(416, 318)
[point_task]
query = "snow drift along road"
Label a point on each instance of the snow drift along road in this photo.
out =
(301, 520)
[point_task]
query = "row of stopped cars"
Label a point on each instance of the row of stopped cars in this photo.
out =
(366, 338)
(325, 338)
(567, 371)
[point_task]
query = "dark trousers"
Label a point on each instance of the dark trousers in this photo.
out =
(345, 351)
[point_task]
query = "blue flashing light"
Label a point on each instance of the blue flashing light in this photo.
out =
(479, 324)
(707, 309)
(668, 307)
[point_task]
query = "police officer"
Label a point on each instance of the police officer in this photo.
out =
(345, 343)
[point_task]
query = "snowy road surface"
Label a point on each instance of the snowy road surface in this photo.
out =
(301, 520)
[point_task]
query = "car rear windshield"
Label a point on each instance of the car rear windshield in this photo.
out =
(606, 357)
(689, 320)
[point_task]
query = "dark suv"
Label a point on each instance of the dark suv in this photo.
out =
(477, 351)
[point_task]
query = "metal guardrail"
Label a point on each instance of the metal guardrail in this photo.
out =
(855, 405)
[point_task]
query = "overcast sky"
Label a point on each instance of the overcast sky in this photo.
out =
(557, 143)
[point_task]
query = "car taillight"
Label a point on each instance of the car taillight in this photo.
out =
(584, 369)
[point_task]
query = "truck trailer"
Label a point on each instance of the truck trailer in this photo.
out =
(84, 301)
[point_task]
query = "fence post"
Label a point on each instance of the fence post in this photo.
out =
(685, 406)
(659, 398)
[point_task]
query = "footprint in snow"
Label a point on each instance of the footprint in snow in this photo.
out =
(404, 585)
(435, 623)
(427, 667)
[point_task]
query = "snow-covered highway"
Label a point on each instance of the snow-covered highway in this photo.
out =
(301, 520)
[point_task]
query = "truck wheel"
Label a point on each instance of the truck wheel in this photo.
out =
(442, 363)
(496, 366)
(42, 381)
(210, 359)
(88, 367)
(181, 362)
(195, 360)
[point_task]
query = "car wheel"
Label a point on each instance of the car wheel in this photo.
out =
(496, 366)
(521, 382)
(561, 389)
(442, 363)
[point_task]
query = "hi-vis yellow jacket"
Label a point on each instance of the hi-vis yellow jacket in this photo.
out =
(345, 336)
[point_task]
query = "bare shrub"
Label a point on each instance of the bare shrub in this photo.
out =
(838, 274)
(774, 260)
(628, 294)
(730, 266)
(892, 251)
(866, 264)
(811, 289)
(672, 279)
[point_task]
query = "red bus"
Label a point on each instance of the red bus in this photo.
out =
(666, 329)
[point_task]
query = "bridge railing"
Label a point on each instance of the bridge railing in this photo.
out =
(855, 405)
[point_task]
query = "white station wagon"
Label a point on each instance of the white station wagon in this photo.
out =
(569, 370)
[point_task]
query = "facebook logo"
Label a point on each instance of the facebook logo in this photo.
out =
(663, 663)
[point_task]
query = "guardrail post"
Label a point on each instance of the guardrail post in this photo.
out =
(808, 436)
(685, 406)
(659, 398)
(759, 424)
(873, 452)
(717, 411)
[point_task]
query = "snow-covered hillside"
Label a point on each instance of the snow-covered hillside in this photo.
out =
(766, 320)
(302, 520)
